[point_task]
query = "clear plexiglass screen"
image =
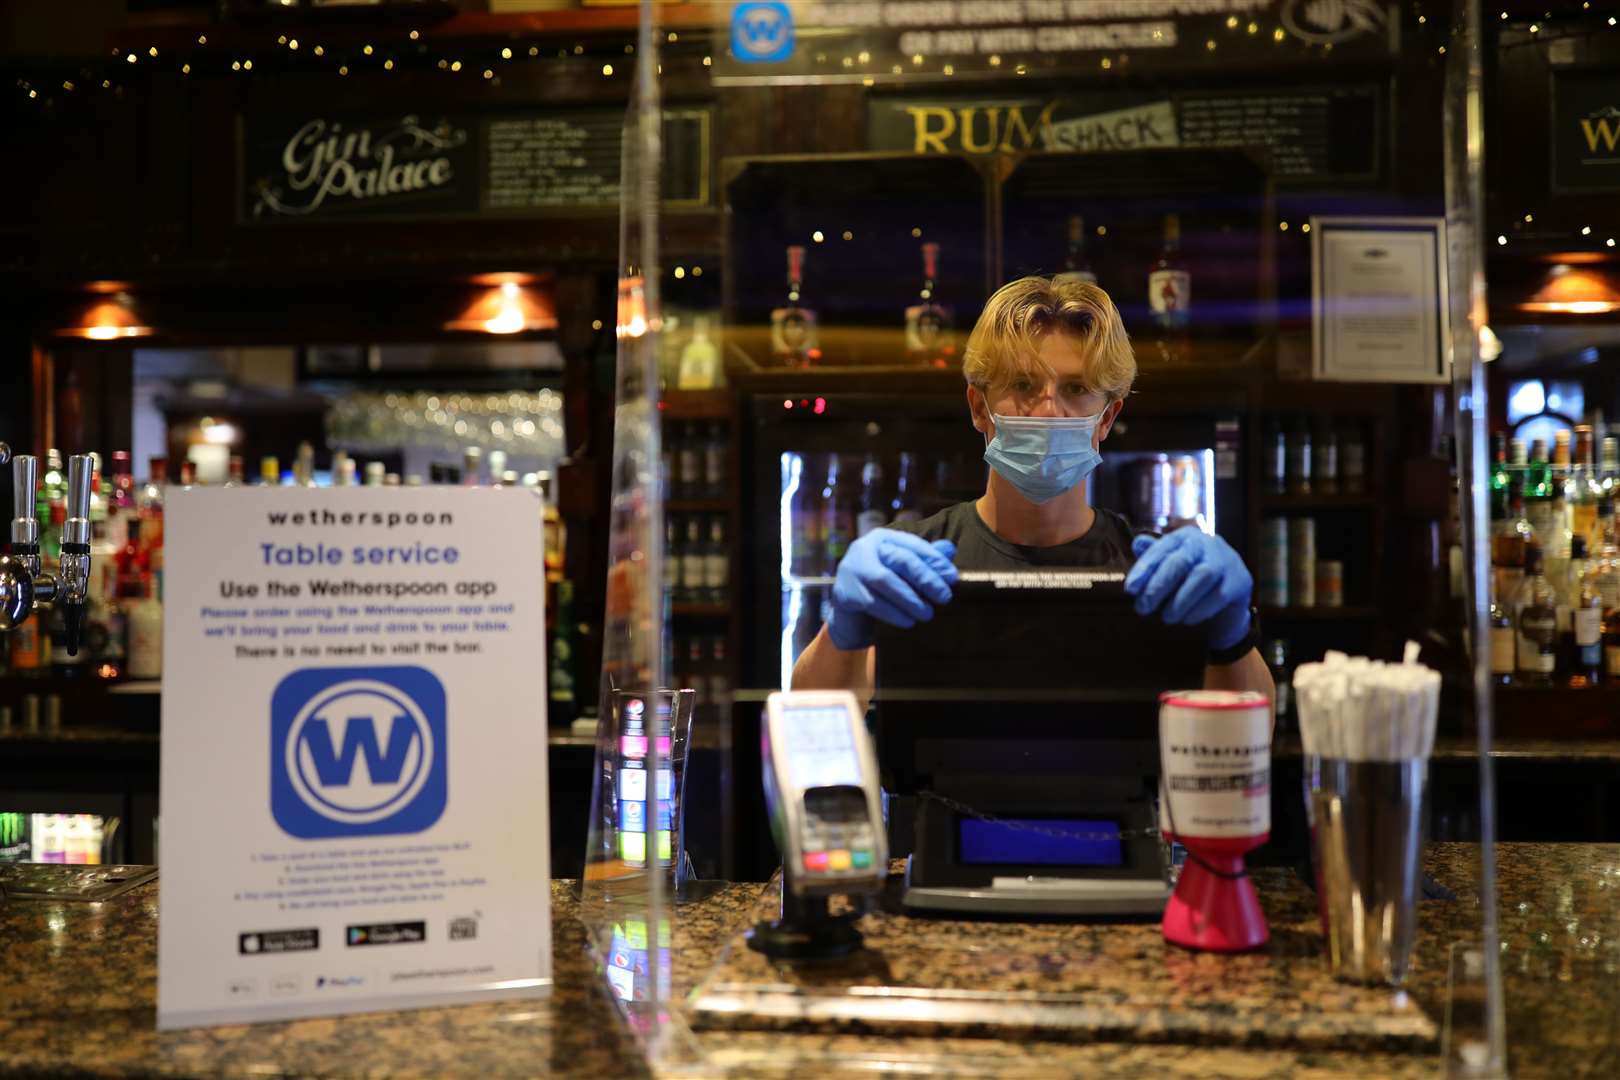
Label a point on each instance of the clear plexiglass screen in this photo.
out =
(820, 746)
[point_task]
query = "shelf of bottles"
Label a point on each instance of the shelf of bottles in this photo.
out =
(1311, 470)
(1555, 566)
(925, 336)
(123, 639)
(700, 550)
(123, 635)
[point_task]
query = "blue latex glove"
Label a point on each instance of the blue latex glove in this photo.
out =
(1192, 578)
(896, 577)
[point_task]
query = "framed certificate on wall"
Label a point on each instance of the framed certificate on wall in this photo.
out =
(1378, 299)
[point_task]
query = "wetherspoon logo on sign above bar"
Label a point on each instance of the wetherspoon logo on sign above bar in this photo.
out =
(329, 167)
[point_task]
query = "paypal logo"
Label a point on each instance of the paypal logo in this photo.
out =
(761, 31)
(357, 751)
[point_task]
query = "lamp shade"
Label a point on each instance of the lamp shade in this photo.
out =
(1576, 288)
(108, 318)
(507, 304)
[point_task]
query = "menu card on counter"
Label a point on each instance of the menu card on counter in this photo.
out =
(354, 791)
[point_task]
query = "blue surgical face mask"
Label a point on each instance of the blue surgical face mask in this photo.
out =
(1043, 456)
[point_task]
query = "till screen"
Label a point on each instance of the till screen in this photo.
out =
(1017, 843)
(820, 748)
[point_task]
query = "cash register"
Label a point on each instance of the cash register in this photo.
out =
(1023, 719)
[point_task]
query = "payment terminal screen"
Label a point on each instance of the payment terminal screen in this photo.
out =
(1039, 842)
(820, 748)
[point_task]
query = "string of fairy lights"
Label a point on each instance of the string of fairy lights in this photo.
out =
(488, 61)
(383, 55)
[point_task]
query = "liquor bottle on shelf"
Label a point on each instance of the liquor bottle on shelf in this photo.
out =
(719, 674)
(674, 565)
(1503, 639)
(106, 630)
(1538, 472)
(52, 495)
(872, 515)
(1325, 461)
(700, 360)
(29, 646)
(472, 466)
(1607, 584)
(304, 466)
(1609, 479)
(794, 341)
(123, 482)
(929, 340)
(1299, 459)
(1606, 559)
(1508, 545)
(134, 561)
(1076, 264)
(269, 471)
(560, 684)
(1558, 471)
(1499, 462)
(714, 462)
(1170, 293)
(688, 463)
(1275, 458)
(1537, 659)
(1538, 499)
(1585, 649)
(716, 563)
(903, 507)
(234, 476)
(146, 634)
(837, 517)
(1585, 491)
(692, 561)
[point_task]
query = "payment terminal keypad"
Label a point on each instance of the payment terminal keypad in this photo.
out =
(838, 835)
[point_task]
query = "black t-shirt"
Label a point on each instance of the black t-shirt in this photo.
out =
(1106, 545)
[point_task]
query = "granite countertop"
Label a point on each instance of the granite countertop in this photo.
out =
(78, 990)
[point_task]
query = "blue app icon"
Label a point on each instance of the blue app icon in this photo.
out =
(761, 31)
(357, 751)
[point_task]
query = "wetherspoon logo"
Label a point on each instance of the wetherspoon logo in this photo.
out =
(357, 751)
(761, 31)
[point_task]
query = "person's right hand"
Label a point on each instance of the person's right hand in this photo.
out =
(896, 577)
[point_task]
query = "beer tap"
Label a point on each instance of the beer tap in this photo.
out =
(23, 584)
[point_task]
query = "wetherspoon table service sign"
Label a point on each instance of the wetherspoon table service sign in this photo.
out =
(354, 792)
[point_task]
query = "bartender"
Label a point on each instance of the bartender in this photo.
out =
(1048, 368)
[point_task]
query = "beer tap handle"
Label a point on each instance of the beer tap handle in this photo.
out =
(24, 525)
(74, 576)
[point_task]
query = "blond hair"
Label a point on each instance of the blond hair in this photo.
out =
(1005, 342)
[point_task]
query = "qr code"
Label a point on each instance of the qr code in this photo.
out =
(463, 929)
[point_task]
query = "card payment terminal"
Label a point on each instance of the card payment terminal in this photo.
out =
(826, 811)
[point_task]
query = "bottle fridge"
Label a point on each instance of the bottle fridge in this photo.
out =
(826, 468)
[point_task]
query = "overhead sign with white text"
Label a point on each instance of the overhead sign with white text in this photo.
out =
(354, 794)
(886, 41)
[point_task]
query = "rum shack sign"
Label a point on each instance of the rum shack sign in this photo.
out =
(325, 168)
(1310, 135)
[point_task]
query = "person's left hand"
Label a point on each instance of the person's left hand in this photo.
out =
(1192, 578)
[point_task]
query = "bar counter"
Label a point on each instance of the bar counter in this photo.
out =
(78, 991)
